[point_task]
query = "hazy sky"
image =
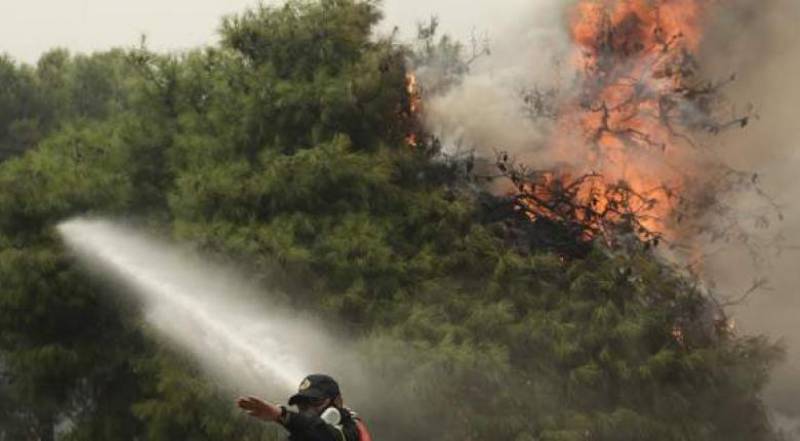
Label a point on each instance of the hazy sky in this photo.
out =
(28, 28)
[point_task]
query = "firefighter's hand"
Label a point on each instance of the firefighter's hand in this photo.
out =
(259, 409)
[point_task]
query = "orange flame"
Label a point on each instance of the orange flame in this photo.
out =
(634, 59)
(412, 88)
(414, 108)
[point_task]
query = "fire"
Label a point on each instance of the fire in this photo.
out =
(413, 91)
(413, 108)
(637, 95)
(411, 140)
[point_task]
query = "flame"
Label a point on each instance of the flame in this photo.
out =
(411, 140)
(414, 95)
(635, 66)
(414, 109)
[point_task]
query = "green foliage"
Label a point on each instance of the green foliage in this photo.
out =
(34, 102)
(284, 148)
(180, 403)
(18, 102)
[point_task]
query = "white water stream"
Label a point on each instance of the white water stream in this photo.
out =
(207, 311)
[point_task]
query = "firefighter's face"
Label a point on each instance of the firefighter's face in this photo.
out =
(316, 407)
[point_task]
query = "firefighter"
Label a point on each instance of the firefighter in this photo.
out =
(321, 415)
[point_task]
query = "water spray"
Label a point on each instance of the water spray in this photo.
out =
(205, 310)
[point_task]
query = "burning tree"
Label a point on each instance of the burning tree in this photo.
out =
(638, 116)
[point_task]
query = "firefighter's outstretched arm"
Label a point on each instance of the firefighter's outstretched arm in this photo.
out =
(260, 409)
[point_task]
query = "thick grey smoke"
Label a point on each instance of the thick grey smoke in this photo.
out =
(760, 42)
(484, 112)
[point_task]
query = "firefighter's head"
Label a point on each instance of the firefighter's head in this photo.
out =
(316, 393)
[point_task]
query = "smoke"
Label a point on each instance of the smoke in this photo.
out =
(760, 42)
(484, 111)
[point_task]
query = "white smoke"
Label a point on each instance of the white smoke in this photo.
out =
(484, 112)
(760, 42)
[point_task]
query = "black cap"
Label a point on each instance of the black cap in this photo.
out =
(316, 387)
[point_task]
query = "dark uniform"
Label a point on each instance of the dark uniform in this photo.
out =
(308, 426)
